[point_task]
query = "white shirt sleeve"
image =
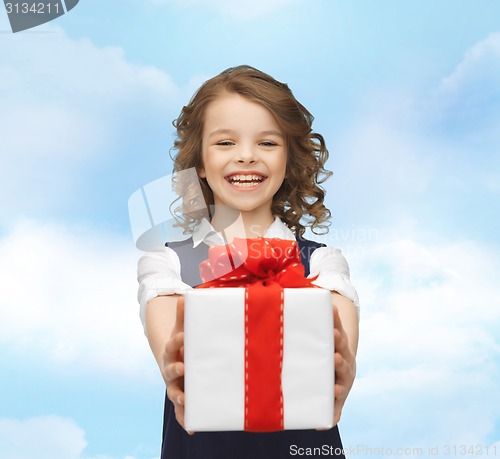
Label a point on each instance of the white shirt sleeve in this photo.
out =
(158, 273)
(333, 273)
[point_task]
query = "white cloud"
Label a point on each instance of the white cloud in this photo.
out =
(383, 169)
(66, 102)
(44, 437)
(242, 10)
(421, 160)
(467, 101)
(429, 358)
(480, 66)
(69, 297)
(47, 437)
(387, 157)
(419, 173)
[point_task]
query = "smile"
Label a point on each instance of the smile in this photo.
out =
(245, 180)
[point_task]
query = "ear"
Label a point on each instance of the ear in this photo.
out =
(201, 173)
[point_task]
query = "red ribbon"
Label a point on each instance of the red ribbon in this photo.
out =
(264, 267)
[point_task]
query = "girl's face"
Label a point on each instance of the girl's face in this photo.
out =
(244, 154)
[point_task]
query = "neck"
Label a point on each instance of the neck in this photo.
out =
(234, 223)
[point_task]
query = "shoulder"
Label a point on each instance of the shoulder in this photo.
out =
(332, 271)
(330, 259)
(322, 257)
(162, 260)
(307, 248)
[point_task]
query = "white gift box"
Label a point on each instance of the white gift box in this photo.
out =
(214, 356)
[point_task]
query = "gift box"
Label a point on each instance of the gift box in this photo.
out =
(258, 357)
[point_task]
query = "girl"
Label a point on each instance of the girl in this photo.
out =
(254, 151)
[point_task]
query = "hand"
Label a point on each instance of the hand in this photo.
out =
(345, 366)
(173, 364)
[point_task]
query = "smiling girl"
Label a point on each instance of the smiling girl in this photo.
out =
(256, 156)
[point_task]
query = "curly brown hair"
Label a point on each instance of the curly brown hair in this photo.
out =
(299, 202)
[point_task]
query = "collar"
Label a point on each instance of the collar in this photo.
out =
(206, 233)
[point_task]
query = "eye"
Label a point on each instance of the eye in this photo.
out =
(225, 143)
(268, 143)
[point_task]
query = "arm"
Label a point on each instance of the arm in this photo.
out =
(348, 317)
(162, 314)
(332, 271)
(165, 326)
(160, 322)
(346, 332)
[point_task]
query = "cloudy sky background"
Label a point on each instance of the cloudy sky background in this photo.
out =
(407, 96)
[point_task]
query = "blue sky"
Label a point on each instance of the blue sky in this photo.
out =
(406, 95)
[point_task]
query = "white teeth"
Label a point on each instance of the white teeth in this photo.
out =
(245, 177)
(245, 181)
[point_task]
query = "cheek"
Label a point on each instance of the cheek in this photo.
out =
(213, 164)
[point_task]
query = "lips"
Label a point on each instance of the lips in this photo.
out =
(248, 180)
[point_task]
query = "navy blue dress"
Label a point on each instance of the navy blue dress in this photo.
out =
(177, 444)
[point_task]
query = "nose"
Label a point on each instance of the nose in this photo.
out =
(246, 155)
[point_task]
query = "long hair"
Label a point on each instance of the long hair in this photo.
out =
(299, 202)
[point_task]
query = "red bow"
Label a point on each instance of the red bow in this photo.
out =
(264, 267)
(248, 261)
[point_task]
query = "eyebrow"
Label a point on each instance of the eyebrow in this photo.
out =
(230, 131)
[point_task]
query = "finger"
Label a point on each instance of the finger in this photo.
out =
(341, 342)
(339, 403)
(175, 394)
(179, 414)
(339, 392)
(173, 346)
(341, 367)
(173, 371)
(337, 412)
